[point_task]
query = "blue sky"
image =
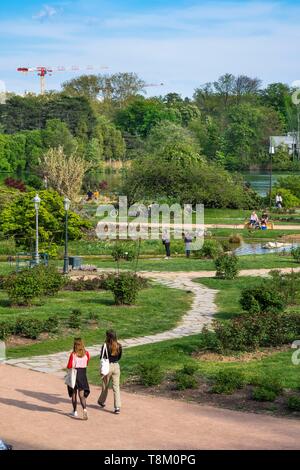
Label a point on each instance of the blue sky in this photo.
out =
(182, 43)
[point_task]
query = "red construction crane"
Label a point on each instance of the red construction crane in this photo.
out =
(43, 71)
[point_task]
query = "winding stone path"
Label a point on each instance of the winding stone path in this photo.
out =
(200, 314)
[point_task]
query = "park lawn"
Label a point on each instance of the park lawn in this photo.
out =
(266, 261)
(158, 309)
(252, 235)
(174, 354)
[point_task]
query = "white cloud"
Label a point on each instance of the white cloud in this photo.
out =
(46, 13)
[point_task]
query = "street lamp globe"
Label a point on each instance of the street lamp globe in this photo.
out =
(67, 204)
(37, 202)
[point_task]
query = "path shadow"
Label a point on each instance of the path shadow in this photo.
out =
(103, 410)
(30, 406)
(50, 398)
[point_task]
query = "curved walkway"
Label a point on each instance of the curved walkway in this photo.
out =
(200, 314)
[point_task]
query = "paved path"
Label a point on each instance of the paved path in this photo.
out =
(34, 411)
(201, 313)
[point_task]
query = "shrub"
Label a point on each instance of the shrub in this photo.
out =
(270, 383)
(6, 329)
(123, 251)
(226, 245)
(293, 403)
(125, 287)
(210, 249)
(235, 239)
(287, 284)
(296, 254)
(250, 331)
(150, 374)
(263, 394)
(24, 286)
(263, 298)
(51, 325)
(75, 319)
(29, 327)
(185, 381)
(227, 266)
(227, 381)
(93, 316)
(52, 281)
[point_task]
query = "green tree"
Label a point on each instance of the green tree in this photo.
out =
(18, 220)
(140, 115)
(56, 134)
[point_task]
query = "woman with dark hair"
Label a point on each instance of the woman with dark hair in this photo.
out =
(79, 360)
(114, 353)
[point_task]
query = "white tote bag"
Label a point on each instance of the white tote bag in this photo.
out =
(104, 362)
(70, 378)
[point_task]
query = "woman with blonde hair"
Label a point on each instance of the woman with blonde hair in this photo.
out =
(112, 349)
(79, 360)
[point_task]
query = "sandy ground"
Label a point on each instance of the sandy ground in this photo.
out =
(34, 411)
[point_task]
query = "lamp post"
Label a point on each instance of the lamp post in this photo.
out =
(272, 152)
(37, 202)
(67, 203)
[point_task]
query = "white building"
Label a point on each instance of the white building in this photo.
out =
(289, 140)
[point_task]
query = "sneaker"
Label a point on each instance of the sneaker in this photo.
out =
(74, 414)
(117, 411)
(101, 404)
(85, 415)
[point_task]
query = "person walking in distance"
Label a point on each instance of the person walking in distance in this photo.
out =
(113, 350)
(79, 360)
(167, 242)
(188, 239)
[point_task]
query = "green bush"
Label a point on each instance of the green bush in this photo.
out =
(26, 285)
(288, 284)
(7, 328)
(227, 266)
(263, 298)
(228, 381)
(250, 331)
(235, 239)
(269, 383)
(75, 319)
(125, 287)
(185, 381)
(293, 403)
(29, 327)
(150, 374)
(296, 254)
(211, 249)
(123, 251)
(51, 325)
(51, 280)
(23, 287)
(263, 394)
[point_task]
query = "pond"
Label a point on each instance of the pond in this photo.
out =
(258, 248)
(260, 180)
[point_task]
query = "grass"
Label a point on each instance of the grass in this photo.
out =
(174, 354)
(266, 261)
(158, 309)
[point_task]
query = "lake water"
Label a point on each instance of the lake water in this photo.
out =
(260, 180)
(258, 249)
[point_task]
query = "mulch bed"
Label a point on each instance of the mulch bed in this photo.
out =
(238, 401)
